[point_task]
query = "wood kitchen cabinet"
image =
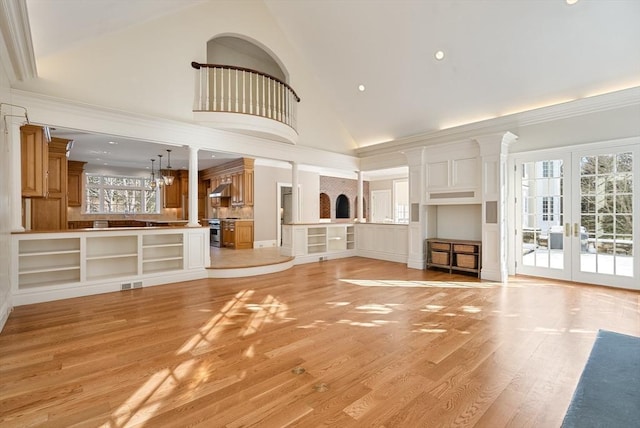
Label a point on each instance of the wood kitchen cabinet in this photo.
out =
(237, 234)
(172, 195)
(75, 183)
(240, 175)
(248, 187)
(50, 212)
(34, 155)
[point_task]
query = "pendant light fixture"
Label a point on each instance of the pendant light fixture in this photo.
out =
(152, 182)
(168, 179)
(160, 179)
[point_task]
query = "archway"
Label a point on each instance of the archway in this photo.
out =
(342, 207)
(325, 206)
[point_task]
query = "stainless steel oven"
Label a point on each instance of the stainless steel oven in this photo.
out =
(216, 233)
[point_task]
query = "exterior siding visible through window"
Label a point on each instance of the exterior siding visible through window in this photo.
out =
(121, 195)
(547, 208)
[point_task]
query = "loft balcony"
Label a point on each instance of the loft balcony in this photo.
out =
(243, 100)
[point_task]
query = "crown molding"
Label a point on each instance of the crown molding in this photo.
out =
(16, 34)
(509, 123)
(48, 110)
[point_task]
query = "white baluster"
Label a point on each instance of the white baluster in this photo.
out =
(221, 89)
(204, 88)
(236, 90)
(263, 98)
(251, 93)
(244, 94)
(229, 91)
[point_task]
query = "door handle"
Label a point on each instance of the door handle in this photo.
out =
(567, 230)
(576, 230)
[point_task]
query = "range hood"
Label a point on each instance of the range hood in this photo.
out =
(222, 191)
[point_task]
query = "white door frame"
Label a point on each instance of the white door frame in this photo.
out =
(279, 187)
(573, 203)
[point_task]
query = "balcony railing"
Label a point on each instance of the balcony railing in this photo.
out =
(231, 89)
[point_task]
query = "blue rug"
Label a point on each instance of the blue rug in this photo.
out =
(608, 393)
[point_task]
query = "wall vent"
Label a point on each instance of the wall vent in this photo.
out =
(125, 286)
(137, 284)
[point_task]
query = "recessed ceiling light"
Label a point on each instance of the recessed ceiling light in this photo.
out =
(570, 2)
(112, 142)
(439, 55)
(361, 88)
(213, 156)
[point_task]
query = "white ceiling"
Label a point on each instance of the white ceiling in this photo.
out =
(501, 56)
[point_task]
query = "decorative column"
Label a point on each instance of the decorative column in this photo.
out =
(15, 174)
(360, 198)
(295, 215)
(494, 150)
(193, 187)
(418, 220)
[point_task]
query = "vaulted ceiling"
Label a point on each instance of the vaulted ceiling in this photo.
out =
(500, 57)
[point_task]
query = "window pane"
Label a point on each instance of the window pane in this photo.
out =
(93, 179)
(624, 204)
(605, 164)
(588, 165)
(624, 162)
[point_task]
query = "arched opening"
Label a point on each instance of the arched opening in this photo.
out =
(325, 206)
(236, 51)
(342, 207)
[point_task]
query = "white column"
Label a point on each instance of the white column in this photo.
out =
(15, 172)
(295, 215)
(493, 152)
(360, 198)
(193, 187)
(418, 221)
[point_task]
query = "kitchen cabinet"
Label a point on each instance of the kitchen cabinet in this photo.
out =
(34, 156)
(50, 212)
(237, 234)
(248, 187)
(228, 233)
(172, 195)
(75, 183)
(239, 174)
(202, 198)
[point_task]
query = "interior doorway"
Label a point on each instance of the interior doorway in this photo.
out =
(285, 207)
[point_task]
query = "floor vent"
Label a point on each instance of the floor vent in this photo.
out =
(125, 286)
(137, 284)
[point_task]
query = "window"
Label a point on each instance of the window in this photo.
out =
(121, 195)
(547, 208)
(547, 169)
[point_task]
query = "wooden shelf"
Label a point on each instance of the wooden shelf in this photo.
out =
(454, 255)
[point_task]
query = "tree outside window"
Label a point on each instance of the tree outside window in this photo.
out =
(121, 195)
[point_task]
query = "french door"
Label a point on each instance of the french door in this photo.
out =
(575, 215)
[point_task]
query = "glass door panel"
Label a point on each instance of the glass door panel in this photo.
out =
(543, 250)
(606, 214)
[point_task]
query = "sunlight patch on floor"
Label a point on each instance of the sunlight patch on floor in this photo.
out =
(418, 284)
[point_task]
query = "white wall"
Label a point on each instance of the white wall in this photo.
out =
(5, 204)
(130, 70)
(266, 179)
(459, 221)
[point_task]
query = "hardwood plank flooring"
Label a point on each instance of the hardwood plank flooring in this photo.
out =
(376, 344)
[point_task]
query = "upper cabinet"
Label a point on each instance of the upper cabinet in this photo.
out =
(172, 195)
(50, 212)
(75, 183)
(453, 176)
(239, 175)
(34, 153)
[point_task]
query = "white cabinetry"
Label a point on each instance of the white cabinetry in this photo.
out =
(453, 175)
(310, 243)
(51, 266)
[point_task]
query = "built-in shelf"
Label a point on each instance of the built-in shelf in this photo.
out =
(454, 255)
(73, 263)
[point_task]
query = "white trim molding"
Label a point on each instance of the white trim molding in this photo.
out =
(17, 49)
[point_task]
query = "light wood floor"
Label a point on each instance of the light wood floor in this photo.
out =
(224, 258)
(345, 343)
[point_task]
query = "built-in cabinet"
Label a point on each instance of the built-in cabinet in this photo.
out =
(237, 234)
(75, 183)
(50, 212)
(453, 175)
(65, 264)
(239, 175)
(34, 155)
(313, 242)
(172, 195)
(454, 255)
